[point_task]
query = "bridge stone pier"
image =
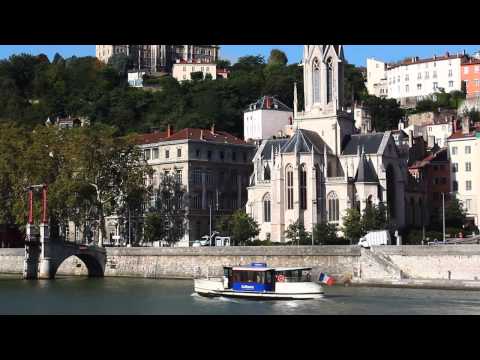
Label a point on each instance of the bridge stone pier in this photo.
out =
(43, 256)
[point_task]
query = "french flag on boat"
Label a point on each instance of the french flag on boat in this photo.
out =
(324, 278)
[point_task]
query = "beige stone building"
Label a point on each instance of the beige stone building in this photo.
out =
(182, 70)
(324, 166)
(213, 165)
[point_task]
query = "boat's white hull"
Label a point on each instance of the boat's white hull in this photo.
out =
(283, 291)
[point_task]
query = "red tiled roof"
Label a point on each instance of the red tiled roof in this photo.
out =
(410, 61)
(192, 134)
(151, 137)
(460, 135)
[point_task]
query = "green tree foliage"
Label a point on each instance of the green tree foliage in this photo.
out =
(455, 214)
(385, 113)
(352, 225)
(473, 114)
(374, 218)
(440, 100)
(239, 226)
(91, 173)
(297, 234)
(223, 64)
(166, 218)
(196, 76)
(325, 233)
(355, 89)
(277, 57)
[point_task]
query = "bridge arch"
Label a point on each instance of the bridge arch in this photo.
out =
(92, 264)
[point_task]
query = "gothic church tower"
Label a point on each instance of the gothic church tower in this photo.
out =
(323, 83)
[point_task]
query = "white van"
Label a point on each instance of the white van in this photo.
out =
(222, 241)
(375, 238)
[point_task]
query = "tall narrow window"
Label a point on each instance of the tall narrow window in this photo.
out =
(266, 208)
(289, 188)
(329, 80)
(266, 173)
(333, 207)
(303, 188)
(316, 81)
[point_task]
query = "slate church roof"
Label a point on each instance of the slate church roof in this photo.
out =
(370, 143)
(303, 141)
(365, 172)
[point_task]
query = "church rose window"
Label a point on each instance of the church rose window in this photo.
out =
(333, 207)
(289, 188)
(316, 81)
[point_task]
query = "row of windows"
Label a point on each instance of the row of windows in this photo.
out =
(468, 167)
(468, 150)
(207, 69)
(222, 177)
(221, 202)
(466, 69)
(153, 154)
(221, 155)
(394, 79)
(476, 82)
(419, 86)
(468, 185)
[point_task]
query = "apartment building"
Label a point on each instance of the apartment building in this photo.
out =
(413, 79)
(471, 76)
(182, 70)
(463, 151)
(214, 166)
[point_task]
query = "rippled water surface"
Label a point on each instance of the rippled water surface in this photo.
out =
(78, 295)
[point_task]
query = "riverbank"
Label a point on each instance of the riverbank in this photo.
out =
(439, 267)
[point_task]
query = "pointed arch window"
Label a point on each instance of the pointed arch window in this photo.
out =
(316, 80)
(266, 173)
(267, 216)
(289, 175)
(303, 187)
(333, 207)
(329, 80)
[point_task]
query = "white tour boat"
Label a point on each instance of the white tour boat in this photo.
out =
(259, 281)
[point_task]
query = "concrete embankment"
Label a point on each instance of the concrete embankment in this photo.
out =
(452, 266)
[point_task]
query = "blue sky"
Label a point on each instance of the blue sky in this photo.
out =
(355, 54)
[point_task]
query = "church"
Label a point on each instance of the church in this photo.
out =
(321, 164)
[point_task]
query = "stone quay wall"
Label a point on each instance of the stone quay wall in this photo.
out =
(347, 263)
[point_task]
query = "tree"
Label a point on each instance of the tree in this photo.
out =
(169, 207)
(355, 88)
(223, 64)
(325, 234)
(374, 218)
(277, 57)
(297, 234)
(455, 214)
(352, 225)
(196, 76)
(385, 113)
(239, 226)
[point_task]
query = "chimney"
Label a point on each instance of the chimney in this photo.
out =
(212, 129)
(169, 130)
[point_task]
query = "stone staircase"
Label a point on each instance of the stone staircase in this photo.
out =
(376, 265)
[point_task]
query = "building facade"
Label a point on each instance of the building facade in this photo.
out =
(463, 152)
(265, 118)
(414, 79)
(325, 167)
(214, 166)
(471, 76)
(159, 58)
(182, 70)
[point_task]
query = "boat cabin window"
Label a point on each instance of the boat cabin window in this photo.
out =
(297, 275)
(259, 277)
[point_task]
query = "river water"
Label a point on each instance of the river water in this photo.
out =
(127, 296)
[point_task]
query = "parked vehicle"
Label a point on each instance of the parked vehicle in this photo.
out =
(222, 241)
(376, 238)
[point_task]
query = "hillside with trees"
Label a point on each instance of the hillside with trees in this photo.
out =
(33, 88)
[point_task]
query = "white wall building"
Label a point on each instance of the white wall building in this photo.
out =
(416, 78)
(105, 52)
(182, 71)
(265, 118)
(464, 151)
(377, 78)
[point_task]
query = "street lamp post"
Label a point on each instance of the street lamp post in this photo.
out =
(443, 207)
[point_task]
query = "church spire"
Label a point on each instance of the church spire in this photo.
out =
(295, 100)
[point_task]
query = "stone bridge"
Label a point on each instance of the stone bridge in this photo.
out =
(42, 259)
